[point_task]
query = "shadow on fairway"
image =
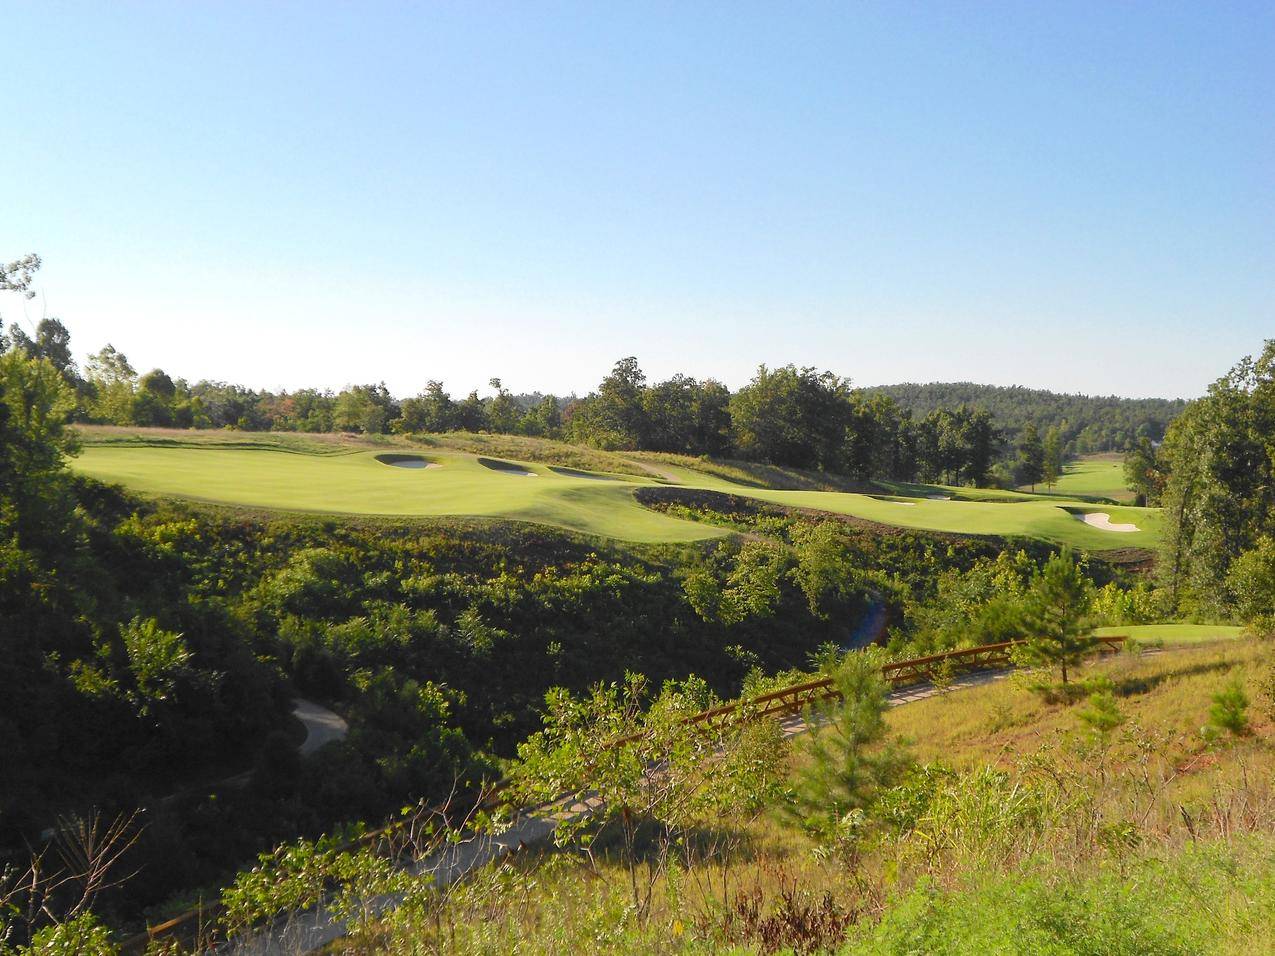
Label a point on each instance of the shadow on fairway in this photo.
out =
(506, 467)
(575, 473)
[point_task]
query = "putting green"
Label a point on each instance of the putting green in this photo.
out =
(351, 480)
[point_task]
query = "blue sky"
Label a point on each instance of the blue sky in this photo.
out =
(1072, 196)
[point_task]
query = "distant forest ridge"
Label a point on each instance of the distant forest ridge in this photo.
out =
(1089, 423)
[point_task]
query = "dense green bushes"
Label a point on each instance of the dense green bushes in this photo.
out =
(1219, 497)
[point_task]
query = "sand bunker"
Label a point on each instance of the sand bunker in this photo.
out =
(406, 461)
(1102, 521)
(575, 473)
(506, 467)
(939, 497)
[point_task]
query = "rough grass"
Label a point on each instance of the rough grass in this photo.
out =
(1170, 691)
(687, 469)
(526, 448)
(1153, 842)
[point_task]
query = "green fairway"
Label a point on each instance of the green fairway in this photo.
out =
(1173, 633)
(288, 473)
(1100, 476)
(355, 482)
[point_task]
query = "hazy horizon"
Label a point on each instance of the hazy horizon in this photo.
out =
(1077, 198)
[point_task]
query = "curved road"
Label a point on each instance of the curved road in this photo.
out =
(322, 726)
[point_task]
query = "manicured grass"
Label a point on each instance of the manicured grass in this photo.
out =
(356, 483)
(1033, 518)
(1174, 633)
(1099, 476)
(341, 475)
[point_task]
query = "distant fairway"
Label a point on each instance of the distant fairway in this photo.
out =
(1101, 476)
(293, 473)
(1174, 633)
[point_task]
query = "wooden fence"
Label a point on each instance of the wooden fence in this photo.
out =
(776, 704)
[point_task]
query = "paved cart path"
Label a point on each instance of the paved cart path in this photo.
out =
(322, 726)
(316, 928)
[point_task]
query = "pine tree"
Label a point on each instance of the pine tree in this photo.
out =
(1053, 457)
(1031, 457)
(1056, 618)
(848, 761)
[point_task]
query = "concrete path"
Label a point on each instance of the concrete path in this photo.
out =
(322, 726)
(312, 930)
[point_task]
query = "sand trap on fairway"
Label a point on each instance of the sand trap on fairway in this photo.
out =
(406, 461)
(506, 467)
(1102, 521)
(939, 497)
(575, 473)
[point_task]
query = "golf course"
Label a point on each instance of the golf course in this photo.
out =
(395, 478)
(1094, 476)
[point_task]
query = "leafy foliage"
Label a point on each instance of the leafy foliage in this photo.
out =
(1086, 423)
(1219, 500)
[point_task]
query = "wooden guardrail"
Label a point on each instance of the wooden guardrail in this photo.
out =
(775, 704)
(796, 698)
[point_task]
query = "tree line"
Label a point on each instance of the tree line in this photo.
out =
(1086, 423)
(797, 417)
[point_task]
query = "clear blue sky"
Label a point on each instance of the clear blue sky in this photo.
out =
(1073, 196)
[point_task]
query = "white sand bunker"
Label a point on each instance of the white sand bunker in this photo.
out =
(506, 468)
(939, 497)
(1102, 521)
(406, 461)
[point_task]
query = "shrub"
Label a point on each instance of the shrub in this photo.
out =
(1230, 710)
(1101, 714)
(82, 936)
(848, 759)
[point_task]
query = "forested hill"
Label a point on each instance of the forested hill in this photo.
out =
(1091, 423)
